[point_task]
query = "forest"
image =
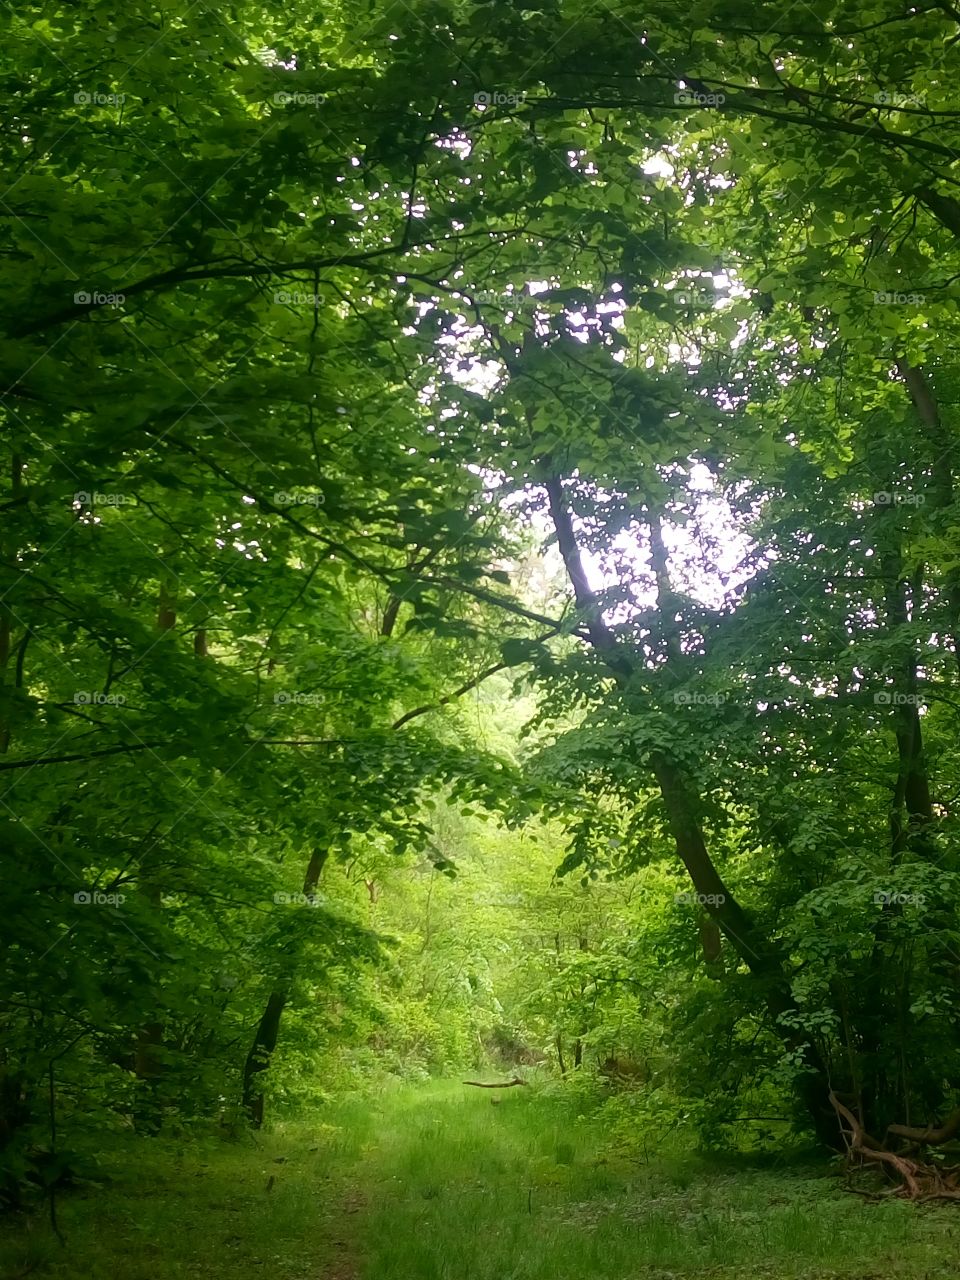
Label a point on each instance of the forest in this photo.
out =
(480, 640)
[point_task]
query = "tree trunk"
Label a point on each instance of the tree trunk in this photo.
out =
(711, 944)
(760, 956)
(268, 1028)
(559, 1045)
(6, 625)
(147, 1056)
(941, 486)
(884, 1004)
(258, 1059)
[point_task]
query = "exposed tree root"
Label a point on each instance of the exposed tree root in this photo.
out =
(914, 1179)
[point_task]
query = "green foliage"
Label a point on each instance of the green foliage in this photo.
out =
(531, 413)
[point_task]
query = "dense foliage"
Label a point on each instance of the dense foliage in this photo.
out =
(540, 413)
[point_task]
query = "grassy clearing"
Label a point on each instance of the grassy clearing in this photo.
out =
(166, 1209)
(525, 1191)
(432, 1182)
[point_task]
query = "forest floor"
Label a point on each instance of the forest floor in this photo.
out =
(433, 1182)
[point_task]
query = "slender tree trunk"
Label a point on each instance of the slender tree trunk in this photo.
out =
(942, 486)
(559, 1045)
(682, 806)
(711, 944)
(147, 1051)
(6, 624)
(883, 1018)
(4, 659)
(268, 1028)
(258, 1059)
(167, 605)
(912, 809)
(148, 1062)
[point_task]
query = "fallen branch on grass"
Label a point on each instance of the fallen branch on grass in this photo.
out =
(506, 1084)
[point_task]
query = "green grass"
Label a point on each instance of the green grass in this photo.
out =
(458, 1189)
(432, 1182)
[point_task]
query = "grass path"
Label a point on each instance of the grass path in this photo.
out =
(458, 1189)
(432, 1182)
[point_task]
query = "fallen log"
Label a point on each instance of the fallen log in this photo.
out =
(505, 1084)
